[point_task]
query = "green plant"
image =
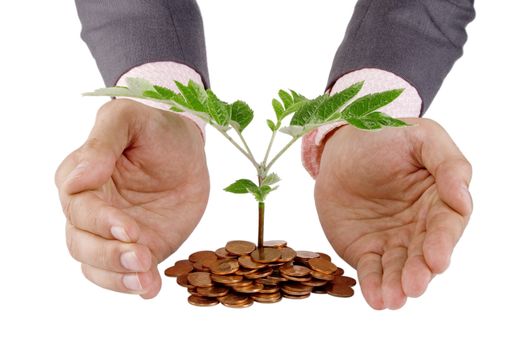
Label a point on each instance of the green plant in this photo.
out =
(306, 115)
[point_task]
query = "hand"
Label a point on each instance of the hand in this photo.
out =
(393, 204)
(132, 194)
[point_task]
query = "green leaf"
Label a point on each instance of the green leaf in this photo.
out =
(297, 97)
(192, 98)
(217, 109)
(176, 109)
(271, 179)
(139, 85)
(385, 119)
(278, 108)
(152, 94)
(293, 130)
(242, 114)
(166, 93)
(199, 91)
(363, 123)
(178, 98)
(286, 98)
(242, 186)
(336, 101)
(307, 113)
(271, 125)
(370, 103)
(115, 91)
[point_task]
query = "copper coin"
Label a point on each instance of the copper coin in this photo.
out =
(298, 279)
(339, 272)
(212, 292)
(242, 271)
(287, 254)
(247, 262)
(202, 255)
(324, 256)
(198, 266)
(239, 247)
(295, 271)
(270, 289)
(227, 279)
(305, 255)
(267, 298)
(180, 268)
(202, 301)
(182, 281)
(224, 267)
(314, 283)
(193, 291)
(253, 288)
(261, 273)
(322, 265)
(296, 288)
(275, 244)
(289, 296)
(320, 290)
(247, 303)
(223, 253)
(340, 290)
(322, 276)
(242, 283)
(344, 280)
(200, 279)
(266, 255)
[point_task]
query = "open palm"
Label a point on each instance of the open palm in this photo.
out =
(393, 204)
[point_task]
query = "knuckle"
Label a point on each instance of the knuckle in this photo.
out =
(70, 242)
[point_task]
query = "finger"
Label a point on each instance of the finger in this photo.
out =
(444, 228)
(106, 254)
(155, 285)
(143, 283)
(92, 164)
(416, 274)
(89, 212)
(452, 171)
(370, 273)
(393, 261)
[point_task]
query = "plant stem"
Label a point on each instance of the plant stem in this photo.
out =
(260, 236)
(250, 157)
(269, 148)
(267, 168)
(246, 146)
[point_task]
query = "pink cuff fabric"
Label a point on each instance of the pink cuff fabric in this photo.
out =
(408, 104)
(164, 74)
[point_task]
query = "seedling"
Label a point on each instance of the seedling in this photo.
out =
(227, 118)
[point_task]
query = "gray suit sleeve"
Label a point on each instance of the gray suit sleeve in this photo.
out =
(123, 34)
(418, 40)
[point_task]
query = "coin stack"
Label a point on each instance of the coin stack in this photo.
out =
(240, 273)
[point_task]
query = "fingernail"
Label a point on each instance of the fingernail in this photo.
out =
(130, 261)
(120, 233)
(131, 282)
(80, 168)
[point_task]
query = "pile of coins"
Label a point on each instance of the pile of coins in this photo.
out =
(240, 273)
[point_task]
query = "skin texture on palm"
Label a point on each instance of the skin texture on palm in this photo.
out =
(393, 204)
(138, 185)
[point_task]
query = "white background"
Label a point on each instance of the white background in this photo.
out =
(253, 50)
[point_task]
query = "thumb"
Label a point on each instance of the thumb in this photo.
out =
(92, 165)
(450, 168)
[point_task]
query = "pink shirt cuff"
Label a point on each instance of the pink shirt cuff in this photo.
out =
(408, 104)
(164, 74)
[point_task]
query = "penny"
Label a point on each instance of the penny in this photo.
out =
(314, 283)
(226, 278)
(270, 289)
(202, 301)
(275, 244)
(296, 288)
(289, 296)
(261, 273)
(235, 303)
(265, 255)
(239, 247)
(295, 271)
(242, 271)
(305, 255)
(340, 290)
(324, 256)
(180, 268)
(200, 279)
(242, 283)
(223, 253)
(253, 288)
(198, 266)
(349, 281)
(224, 267)
(339, 272)
(182, 281)
(298, 279)
(266, 298)
(287, 254)
(247, 262)
(322, 265)
(212, 292)
(202, 255)
(322, 276)
(320, 290)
